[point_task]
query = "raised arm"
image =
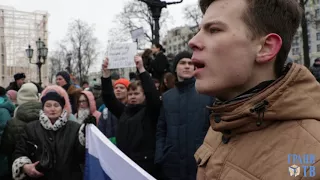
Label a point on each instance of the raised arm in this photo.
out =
(109, 99)
(152, 94)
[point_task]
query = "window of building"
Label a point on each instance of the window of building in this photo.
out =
(177, 32)
(295, 51)
(318, 47)
(317, 13)
(318, 36)
(318, 25)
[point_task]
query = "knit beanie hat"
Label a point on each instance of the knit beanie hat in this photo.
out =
(28, 92)
(19, 76)
(65, 75)
(122, 81)
(54, 96)
(12, 94)
(181, 55)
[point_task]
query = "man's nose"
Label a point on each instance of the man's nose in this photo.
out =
(195, 42)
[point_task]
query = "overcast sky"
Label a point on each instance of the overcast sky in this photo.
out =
(101, 13)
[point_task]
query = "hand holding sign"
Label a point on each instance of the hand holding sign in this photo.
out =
(139, 64)
(105, 71)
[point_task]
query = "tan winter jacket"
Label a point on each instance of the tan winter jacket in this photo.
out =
(237, 148)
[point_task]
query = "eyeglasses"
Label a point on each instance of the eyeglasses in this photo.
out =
(83, 101)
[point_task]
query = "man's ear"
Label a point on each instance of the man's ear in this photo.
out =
(270, 46)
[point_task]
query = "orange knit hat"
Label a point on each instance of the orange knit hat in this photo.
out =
(122, 81)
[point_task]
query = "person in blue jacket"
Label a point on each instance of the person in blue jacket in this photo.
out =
(182, 124)
(6, 111)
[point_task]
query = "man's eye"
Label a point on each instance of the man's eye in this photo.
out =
(214, 30)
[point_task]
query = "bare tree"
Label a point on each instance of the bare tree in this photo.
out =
(193, 15)
(83, 48)
(136, 14)
(57, 60)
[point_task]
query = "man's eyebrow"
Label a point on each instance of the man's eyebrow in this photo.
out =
(207, 25)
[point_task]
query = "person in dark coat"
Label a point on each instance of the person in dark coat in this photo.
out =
(6, 110)
(315, 69)
(138, 119)
(182, 125)
(108, 122)
(160, 64)
(18, 81)
(63, 79)
(52, 147)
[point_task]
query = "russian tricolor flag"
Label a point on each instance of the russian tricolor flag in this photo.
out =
(104, 161)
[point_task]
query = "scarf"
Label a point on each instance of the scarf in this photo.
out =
(46, 123)
(82, 115)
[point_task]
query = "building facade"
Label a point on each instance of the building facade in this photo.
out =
(18, 29)
(313, 16)
(177, 39)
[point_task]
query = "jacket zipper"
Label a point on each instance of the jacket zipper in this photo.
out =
(260, 109)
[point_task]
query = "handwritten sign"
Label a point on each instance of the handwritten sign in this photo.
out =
(122, 55)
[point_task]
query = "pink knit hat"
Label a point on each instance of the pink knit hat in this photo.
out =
(61, 92)
(12, 94)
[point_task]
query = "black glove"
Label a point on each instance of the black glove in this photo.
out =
(90, 120)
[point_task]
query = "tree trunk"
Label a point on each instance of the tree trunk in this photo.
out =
(304, 27)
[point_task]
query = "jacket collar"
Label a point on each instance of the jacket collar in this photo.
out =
(294, 96)
(186, 83)
(46, 123)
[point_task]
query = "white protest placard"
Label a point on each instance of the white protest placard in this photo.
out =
(122, 55)
(137, 33)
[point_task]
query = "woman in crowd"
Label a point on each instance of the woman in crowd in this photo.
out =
(147, 59)
(168, 82)
(160, 65)
(138, 119)
(86, 107)
(6, 111)
(53, 147)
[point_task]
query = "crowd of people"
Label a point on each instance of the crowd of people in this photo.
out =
(231, 110)
(156, 118)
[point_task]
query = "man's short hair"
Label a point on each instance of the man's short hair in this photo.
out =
(270, 16)
(134, 85)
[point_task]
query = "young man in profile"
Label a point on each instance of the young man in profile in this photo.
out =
(265, 124)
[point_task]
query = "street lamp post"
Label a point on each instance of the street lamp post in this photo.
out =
(155, 7)
(42, 53)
